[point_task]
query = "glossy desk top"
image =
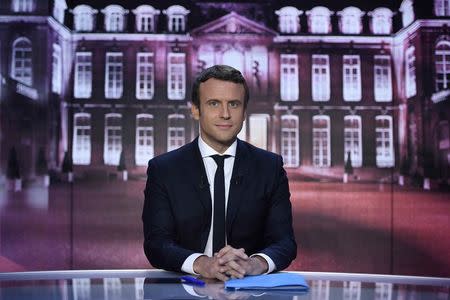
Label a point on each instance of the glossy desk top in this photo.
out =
(157, 284)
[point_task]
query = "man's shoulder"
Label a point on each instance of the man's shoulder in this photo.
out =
(258, 153)
(176, 156)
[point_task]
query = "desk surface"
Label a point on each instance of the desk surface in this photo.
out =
(157, 284)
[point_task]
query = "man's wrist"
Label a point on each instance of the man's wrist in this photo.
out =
(261, 265)
(198, 264)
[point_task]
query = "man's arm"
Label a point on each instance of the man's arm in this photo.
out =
(160, 245)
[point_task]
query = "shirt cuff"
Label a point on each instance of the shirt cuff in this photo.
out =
(188, 265)
(269, 261)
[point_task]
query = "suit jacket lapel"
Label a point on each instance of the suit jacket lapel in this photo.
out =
(199, 179)
(237, 184)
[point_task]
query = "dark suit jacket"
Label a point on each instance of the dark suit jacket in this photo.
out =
(177, 208)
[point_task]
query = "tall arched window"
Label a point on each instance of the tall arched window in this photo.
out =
(176, 136)
(81, 146)
(353, 139)
(289, 19)
(319, 20)
(350, 20)
(442, 65)
(113, 139)
(21, 64)
(176, 18)
(321, 141)
(384, 141)
(114, 18)
(144, 149)
(290, 141)
(84, 18)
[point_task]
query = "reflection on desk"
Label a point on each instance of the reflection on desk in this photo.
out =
(156, 284)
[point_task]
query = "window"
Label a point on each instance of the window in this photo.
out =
(442, 65)
(290, 140)
(23, 5)
(58, 10)
(289, 77)
(145, 18)
(320, 78)
(258, 124)
(21, 69)
(288, 19)
(350, 20)
(175, 132)
(83, 75)
(114, 18)
(113, 139)
(176, 77)
(114, 75)
(407, 10)
(352, 77)
(84, 16)
(321, 141)
(176, 16)
(81, 148)
(381, 21)
(81, 288)
(144, 139)
(442, 8)
(145, 75)
(319, 20)
(384, 141)
(112, 288)
(56, 69)
(410, 84)
(353, 140)
(383, 291)
(382, 78)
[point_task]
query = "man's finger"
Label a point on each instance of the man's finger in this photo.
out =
(236, 267)
(224, 251)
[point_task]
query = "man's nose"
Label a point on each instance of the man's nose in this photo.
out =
(225, 111)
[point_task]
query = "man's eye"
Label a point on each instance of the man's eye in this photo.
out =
(234, 104)
(213, 103)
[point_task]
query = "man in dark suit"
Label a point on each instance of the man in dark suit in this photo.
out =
(218, 206)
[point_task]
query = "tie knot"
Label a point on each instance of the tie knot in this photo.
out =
(219, 159)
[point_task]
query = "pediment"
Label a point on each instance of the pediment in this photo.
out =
(233, 23)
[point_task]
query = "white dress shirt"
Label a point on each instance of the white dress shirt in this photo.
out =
(210, 166)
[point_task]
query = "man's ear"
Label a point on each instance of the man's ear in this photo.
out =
(195, 111)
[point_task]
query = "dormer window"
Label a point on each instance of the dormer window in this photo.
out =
(381, 22)
(84, 17)
(442, 8)
(114, 18)
(58, 10)
(350, 20)
(407, 11)
(319, 20)
(176, 18)
(145, 18)
(20, 6)
(289, 19)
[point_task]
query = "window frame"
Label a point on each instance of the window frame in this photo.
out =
(410, 72)
(290, 136)
(145, 75)
(112, 158)
(289, 92)
(143, 153)
(23, 55)
(81, 144)
(356, 153)
(318, 141)
(382, 86)
(175, 142)
(114, 71)
(351, 82)
(320, 83)
(445, 62)
(176, 76)
(57, 69)
(83, 76)
(384, 161)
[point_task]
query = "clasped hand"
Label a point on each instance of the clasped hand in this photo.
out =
(230, 263)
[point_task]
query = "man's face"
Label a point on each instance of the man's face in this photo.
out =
(221, 112)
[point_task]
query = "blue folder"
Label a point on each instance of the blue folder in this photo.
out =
(276, 281)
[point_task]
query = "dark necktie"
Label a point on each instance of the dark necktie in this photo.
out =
(219, 204)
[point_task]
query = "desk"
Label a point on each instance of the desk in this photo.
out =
(158, 284)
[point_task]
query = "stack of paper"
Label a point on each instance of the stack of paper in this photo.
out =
(277, 281)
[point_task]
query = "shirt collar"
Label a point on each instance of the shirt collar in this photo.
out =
(206, 150)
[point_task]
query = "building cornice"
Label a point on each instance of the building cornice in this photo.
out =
(24, 19)
(138, 37)
(334, 39)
